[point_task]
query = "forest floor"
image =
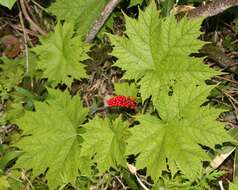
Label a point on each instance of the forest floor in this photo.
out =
(222, 53)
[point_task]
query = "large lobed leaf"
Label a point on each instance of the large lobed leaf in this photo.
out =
(156, 52)
(175, 139)
(60, 54)
(51, 138)
(104, 140)
(83, 13)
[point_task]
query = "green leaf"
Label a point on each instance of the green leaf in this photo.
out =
(156, 52)
(13, 112)
(104, 140)
(14, 179)
(177, 136)
(60, 54)
(126, 89)
(213, 176)
(51, 138)
(12, 72)
(83, 13)
(8, 3)
(4, 185)
(167, 5)
(4, 160)
(135, 2)
(233, 186)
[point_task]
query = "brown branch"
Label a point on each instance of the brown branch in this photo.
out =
(28, 18)
(101, 20)
(29, 32)
(213, 8)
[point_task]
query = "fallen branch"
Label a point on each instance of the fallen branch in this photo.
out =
(101, 20)
(212, 9)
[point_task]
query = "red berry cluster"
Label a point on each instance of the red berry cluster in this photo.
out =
(122, 101)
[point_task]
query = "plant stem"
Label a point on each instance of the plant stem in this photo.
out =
(141, 183)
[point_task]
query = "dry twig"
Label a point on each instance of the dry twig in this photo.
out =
(133, 171)
(28, 18)
(120, 181)
(25, 42)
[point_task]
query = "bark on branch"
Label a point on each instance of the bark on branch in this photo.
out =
(213, 8)
(101, 19)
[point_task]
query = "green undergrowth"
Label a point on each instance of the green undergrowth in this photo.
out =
(167, 137)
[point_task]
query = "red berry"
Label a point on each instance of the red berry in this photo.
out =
(122, 101)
